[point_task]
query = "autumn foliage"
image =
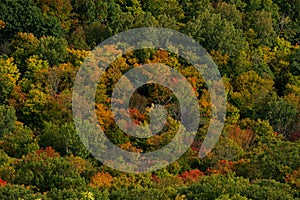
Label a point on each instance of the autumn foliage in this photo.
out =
(253, 43)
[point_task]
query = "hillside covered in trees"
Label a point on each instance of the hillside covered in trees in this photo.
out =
(255, 44)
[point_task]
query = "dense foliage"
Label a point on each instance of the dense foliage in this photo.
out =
(255, 45)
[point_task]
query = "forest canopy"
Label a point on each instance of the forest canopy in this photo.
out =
(254, 43)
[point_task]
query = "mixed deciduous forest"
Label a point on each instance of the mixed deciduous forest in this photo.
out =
(255, 44)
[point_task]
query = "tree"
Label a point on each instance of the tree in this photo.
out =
(271, 161)
(87, 11)
(7, 170)
(215, 33)
(220, 186)
(230, 13)
(295, 62)
(250, 93)
(262, 130)
(53, 49)
(34, 65)
(7, 119)
(170, 8)
(142, 193)
(232, 197)
(289, 8)
(25, 16)
(37, 108)
(9, 75)
(289, 19)
(71, 194)
(9, 68)
(19, 192)
(6, 89)
(262, 24)
(61, 10)
(24, 46)
(281, 113)
(20, 142)
(45, 170)
(63, 139)
(101, 180)
(78, 39)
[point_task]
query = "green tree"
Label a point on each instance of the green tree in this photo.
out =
(169, 7)
(263, 131)
(24, 45)
(63, 139)
(53, 49)
(37, 108)
(269, 190)
(230, 13)
(193, 8)
(250, 93)
(7, 170)
(20, 142)
(78, 39)
(215, 33)
(212, 187)
(271, 161)
(146, 194)
(40, 106)
(281, 113)
(232, 197)
(9, 192)
(289, 19)
(219, 186)
(25, 16)
(78, 194)
(7, 119)
(59, 10)
(45, 170)
(295, 62)
(6, 88)
(87, 11)
(262, 24)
